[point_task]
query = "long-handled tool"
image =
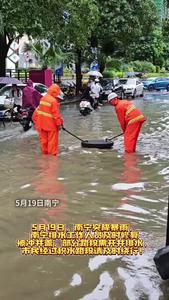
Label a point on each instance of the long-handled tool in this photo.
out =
(72, 134)
(101, 144)
(114, 137)
(161, 258)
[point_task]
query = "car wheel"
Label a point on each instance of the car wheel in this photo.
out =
(168, 88)
(7, 116)
(134, 94)
(122, 95)
(150, 87)
(142, 94)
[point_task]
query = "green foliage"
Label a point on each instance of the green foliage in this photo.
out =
(51, 57)
(149, 75)
(142, 66)
(126, 68)
(113, 63)
(108, 74)
(167, 64)
(1, 24)
(158, 69)
(122, 23)
(111, 73)
(32, 17)
(83, 18)
(124, 30)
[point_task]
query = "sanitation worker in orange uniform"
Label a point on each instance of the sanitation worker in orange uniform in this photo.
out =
(48, 120)
(130, 119)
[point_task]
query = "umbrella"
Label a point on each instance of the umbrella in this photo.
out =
(94, 73)
(9, 80)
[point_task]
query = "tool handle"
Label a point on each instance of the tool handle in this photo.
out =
(72, 134)
(167, 233)
(109, 139)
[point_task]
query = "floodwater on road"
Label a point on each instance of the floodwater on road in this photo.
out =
(93, 187)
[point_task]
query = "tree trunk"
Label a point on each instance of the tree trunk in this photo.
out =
(3, 54)
(102, 62)
(78, 72)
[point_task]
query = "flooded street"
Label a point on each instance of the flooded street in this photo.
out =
(93, 186)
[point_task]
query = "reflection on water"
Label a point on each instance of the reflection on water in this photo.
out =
(93, 186)
(48, 185)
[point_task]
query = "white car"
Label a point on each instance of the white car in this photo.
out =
(132, 87)
(5, 92)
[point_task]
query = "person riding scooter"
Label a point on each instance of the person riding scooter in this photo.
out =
(30, 101)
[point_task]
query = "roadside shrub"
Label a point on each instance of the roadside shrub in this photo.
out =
(120, 74)
(109, 73)
(126, 68)
(114, 63)
(163, 70)
(149, 75)
(167, 64)
(143, 66)
(158, 69)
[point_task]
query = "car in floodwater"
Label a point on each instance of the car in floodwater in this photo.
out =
(132, 87)
(6, 90)
(7, 103)
(157, 83)
(112, 85)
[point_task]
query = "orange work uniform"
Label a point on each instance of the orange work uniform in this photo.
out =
(47, 120)
(131, 121)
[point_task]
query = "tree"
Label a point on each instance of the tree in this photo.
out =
(82, 18)
(122, 23)
(34, 18)
(151, 48)
(46, 57)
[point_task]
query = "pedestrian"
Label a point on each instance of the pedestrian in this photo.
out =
(95, 90)
(16, 94)
(30, 97)
(131, 120)
(48, 120)
(98, 89)
(30, 101)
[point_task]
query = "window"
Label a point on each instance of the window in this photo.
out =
(5, 91)
(108, 86)
(123, 81)
(41, 88)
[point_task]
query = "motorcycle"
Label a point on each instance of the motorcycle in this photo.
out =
(5, 115)
(25, 118)
(17, 114)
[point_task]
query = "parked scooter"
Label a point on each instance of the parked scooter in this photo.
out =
(85, 107)
(5, 115)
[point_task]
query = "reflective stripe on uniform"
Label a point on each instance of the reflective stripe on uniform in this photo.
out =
(131, 108)
(135, 119)
(44, 114)
(45, 103)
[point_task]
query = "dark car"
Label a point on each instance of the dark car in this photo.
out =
(113, 86)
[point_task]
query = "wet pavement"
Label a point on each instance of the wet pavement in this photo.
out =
(93, 186)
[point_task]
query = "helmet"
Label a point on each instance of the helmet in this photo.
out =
(112, 96)
(96, 80)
